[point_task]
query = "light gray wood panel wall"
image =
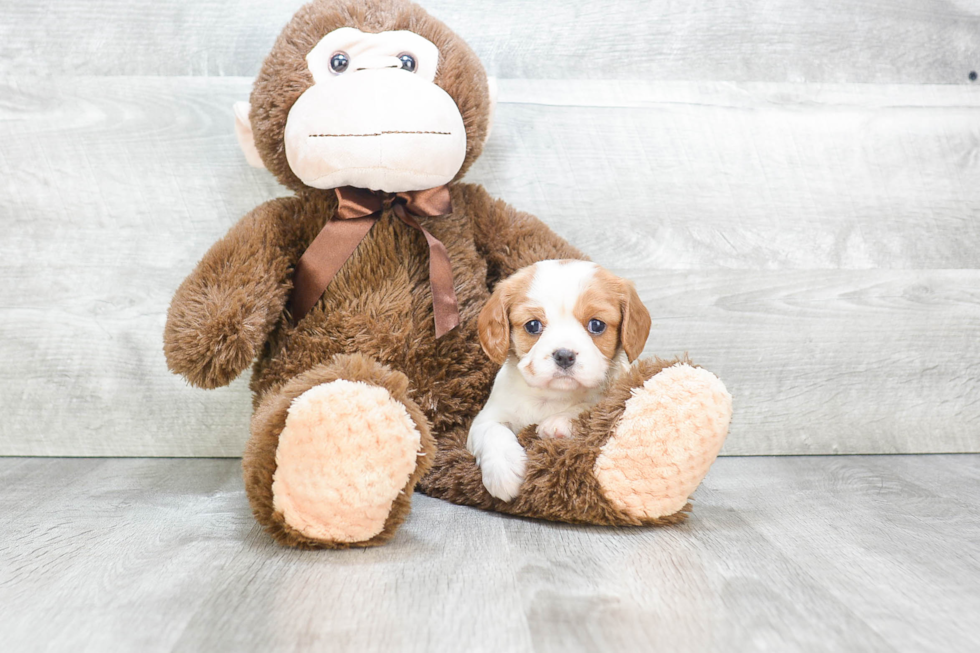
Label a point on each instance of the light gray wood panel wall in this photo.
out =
(815, 245)
(115, 186)
(903, 41)
(752, 176)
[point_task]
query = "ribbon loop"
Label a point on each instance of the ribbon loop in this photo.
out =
(357, 203)
(357, 211)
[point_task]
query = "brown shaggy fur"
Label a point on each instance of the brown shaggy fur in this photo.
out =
(374, 323)
(559, 484)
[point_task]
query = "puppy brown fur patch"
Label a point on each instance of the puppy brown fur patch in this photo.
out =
(496, 323)
(634, 325)
(601, 301)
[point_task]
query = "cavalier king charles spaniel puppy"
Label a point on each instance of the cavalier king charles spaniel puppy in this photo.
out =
(562, 330)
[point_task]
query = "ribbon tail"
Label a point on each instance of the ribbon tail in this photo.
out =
(444, 304)
(322, 260)
(445, 307)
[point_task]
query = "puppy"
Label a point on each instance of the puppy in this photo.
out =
(562, 330)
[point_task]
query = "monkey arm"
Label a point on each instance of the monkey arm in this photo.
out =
(225, 309)
(510, 239)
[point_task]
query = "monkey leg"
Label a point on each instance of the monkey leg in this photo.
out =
(635, 458)
(335, 454)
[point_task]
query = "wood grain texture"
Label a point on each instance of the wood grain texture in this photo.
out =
(788, 554)
(875, 361)
(686, 176)
(753, 176)
(872, 361)
(871, 538)
(903, 41)
(716, 198)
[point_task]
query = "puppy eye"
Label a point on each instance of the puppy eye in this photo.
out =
(408, 62)
(596, 327)
(339, 62)
(534, 327)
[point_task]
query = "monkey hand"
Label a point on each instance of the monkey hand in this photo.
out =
(222, 314)
(212, 333)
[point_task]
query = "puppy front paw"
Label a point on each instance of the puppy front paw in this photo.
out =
(503, 471)
(555, 426)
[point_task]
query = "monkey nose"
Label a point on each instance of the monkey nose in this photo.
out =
(564, 358)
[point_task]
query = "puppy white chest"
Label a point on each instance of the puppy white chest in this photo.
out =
(517, 404)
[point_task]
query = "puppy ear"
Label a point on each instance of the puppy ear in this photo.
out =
(636, 322)
(494, 326)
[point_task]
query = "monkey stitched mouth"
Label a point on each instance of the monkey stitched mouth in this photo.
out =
(379, 134)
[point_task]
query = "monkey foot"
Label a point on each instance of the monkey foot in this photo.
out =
(669, 434)
(346, 452)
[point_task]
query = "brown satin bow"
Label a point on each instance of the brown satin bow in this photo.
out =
(357, 211)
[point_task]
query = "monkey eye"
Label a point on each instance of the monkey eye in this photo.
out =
(596, 327)
(339, 62)
(408, 62)
(534, 327)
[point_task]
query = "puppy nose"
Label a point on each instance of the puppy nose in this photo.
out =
(565, 358)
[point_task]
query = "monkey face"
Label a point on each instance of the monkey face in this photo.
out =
(373, 117)
(377, 95)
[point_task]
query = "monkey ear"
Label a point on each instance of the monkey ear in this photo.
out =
(243, 130)
(636, 323)
(492, 89)
(494, 327)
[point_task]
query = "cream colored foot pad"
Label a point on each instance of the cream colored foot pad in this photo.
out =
(670, 432)
(346, 452)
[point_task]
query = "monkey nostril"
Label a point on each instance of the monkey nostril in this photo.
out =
(564, 358)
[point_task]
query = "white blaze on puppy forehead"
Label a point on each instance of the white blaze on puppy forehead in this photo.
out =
(557, 285)
(557, 288)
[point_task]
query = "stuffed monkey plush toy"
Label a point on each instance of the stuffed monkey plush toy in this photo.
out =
(357, 298)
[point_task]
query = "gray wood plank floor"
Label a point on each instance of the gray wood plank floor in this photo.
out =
(841, 553)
